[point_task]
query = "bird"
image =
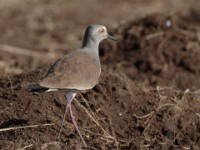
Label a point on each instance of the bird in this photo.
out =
(75, 72)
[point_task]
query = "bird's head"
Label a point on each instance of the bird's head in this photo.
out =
(96, 33)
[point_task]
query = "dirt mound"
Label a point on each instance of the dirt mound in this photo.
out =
(157, 107)
(117, 113)
(160, 49)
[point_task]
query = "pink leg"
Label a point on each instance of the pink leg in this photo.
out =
(66, 110)
(74, 122)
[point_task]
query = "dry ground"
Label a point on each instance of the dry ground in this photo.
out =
(148, 96)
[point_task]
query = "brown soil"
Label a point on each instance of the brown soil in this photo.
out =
(149, 50)
(130, 116)
(148, 95)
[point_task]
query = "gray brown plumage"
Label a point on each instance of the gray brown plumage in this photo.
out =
(75, 72)
(78, 70)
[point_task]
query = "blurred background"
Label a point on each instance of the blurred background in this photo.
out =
(158, 45)
(33, 33)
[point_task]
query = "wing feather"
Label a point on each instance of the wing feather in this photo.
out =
(78, 70)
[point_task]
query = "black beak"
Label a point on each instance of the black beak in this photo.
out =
(111, 37)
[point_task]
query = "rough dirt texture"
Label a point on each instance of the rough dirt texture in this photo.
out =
(148, 96)
(170, 116)
(159, 54)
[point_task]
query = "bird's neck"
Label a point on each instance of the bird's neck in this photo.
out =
(91, 45)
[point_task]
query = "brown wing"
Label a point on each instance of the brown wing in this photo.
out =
(78, 70)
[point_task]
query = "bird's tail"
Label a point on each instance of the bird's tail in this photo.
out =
(36, 88)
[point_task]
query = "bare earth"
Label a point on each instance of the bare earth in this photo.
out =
(148, 96)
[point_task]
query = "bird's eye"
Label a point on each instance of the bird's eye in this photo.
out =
(101, 30)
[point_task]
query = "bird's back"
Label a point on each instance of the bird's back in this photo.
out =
(79, 70)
